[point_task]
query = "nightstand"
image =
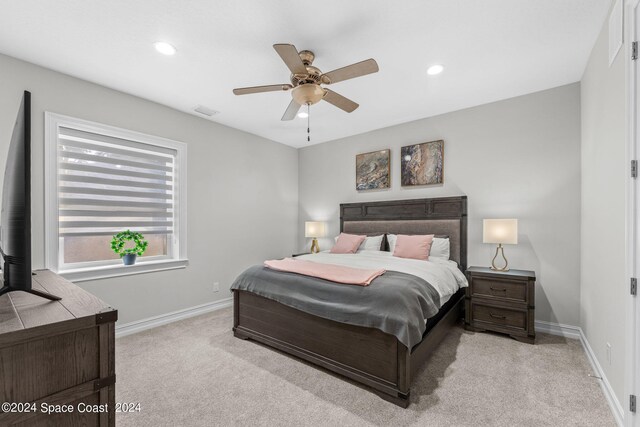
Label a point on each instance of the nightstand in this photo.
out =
(301, 253)
(501, 301)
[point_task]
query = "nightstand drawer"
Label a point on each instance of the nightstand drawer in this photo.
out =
(499, 316)
(496, 288)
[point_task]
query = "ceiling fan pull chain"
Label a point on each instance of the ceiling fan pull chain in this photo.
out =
(308, 122)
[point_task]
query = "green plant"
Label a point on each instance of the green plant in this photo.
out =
(120, 240)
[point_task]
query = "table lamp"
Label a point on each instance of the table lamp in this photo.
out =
(502, 232)
(314, 229)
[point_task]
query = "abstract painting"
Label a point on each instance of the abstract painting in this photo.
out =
(372, 170)
(422, 164)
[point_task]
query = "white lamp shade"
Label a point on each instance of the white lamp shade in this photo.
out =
(314, 229)
(503, 231)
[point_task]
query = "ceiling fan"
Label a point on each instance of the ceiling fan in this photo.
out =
(306, 81)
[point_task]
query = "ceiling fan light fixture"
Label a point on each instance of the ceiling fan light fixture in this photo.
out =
(435, 69)
(303, 114)
(307, 94)
(165, 48)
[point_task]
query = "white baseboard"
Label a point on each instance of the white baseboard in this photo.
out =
(567, 331)
(575, 332)
(613, 401)
(163, 319)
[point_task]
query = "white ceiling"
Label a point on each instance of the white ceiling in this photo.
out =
(491, 50)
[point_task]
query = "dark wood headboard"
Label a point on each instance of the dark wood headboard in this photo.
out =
(439, 216)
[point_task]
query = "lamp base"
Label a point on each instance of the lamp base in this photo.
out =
(500, 250)
(315, 247)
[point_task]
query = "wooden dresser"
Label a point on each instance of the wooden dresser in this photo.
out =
(57, 356)
(501, 301)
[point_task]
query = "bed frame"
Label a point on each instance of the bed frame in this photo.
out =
(368, 356)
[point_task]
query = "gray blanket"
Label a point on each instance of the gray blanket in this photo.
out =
(396, 303)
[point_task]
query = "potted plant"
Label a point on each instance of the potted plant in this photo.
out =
(129, 254)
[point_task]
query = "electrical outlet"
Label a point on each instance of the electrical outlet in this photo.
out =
(609, 353)
(216, 286)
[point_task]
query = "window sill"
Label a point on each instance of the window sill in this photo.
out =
(95, 273)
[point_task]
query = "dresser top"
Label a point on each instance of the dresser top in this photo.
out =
(20, 311)
(511, 273)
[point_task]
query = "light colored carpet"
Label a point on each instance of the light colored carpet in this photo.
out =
(195, 373)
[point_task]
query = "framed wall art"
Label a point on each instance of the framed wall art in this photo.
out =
(422, 164)
(373, 170)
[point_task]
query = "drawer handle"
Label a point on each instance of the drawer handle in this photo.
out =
(498, 290)
(497, 317)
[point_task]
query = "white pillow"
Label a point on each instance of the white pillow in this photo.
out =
(370, 243)
(439, 248)
(391, 239)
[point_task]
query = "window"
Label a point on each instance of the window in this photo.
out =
(100, 180)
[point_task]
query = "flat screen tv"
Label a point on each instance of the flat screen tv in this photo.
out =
(15, 216)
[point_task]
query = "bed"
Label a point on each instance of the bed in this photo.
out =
(367, 355)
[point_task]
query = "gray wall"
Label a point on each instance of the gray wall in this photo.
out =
(604, 173)
(518, 158)
(242, 189)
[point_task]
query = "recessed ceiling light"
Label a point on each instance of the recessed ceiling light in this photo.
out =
(435, 69)
(165, 48)
(303, 114)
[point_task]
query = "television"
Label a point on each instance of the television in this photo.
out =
(15, 216)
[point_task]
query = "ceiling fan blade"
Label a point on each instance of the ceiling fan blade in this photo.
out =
(291, 111)
(351, 71)
(289, 55)
(339, 101)
(258, 89)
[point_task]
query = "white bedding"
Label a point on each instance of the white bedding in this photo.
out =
(443, 275)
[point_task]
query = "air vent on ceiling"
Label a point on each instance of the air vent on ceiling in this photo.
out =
(201, 109)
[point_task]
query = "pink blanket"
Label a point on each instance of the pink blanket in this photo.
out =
(334, 273)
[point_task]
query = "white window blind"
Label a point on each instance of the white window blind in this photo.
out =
(101, 180)
(107, 184)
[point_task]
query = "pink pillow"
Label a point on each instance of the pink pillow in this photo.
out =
(415, 247)
(347, 244)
